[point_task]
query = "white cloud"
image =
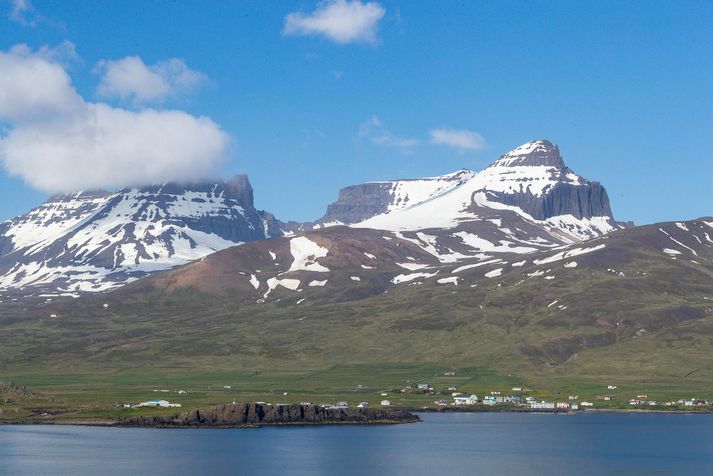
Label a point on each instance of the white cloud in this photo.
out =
(23, 13)
(58, 142)
(375, 131)
(342, 21)
(130, 79)
(460, 139)
(65, 53)
(33, 86)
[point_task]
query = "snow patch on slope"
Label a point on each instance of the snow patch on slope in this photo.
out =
(404, 278)
(569, 254)
(305, 253)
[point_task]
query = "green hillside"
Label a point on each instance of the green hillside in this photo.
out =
(627, 314)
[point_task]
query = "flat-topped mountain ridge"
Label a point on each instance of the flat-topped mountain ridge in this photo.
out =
(95, 241)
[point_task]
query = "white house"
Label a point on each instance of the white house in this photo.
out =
(543, 405)
(385, 403)
(363, 405)
(159, 403)
(587, 404)
(466, 400)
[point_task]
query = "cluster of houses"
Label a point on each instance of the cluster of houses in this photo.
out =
(460, 399)
(422, 387)
(641, 400)
(573, 402)
(496, 398)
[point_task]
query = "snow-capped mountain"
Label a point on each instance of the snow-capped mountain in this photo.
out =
(93, 241)
(526, 201)
(530, 180)
(526, 208)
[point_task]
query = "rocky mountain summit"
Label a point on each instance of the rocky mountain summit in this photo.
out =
(566, 194)
(531, 179)
(525, 201)
(94, 241)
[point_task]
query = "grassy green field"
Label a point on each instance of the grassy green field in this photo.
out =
(68, 396)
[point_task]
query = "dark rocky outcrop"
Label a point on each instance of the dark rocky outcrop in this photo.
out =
(582, 201)
(253, 414)
(579, 198)
(359, 202)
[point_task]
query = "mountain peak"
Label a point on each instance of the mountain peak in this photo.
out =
(239, 186)
(533, 153)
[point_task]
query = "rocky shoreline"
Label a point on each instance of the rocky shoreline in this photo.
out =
(257, 414)
(252, 415)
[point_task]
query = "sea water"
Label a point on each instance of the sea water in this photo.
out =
(448, 444)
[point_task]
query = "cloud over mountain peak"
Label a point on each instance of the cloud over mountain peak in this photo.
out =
(57, 141)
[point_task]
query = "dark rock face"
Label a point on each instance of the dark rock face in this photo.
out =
(359, 202)
(582, 198)
(275, 227)
(240, 188)
(249, 414)
(581, 201)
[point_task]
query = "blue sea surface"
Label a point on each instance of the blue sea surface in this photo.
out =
(448, 444)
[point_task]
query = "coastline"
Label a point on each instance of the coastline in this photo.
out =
(242, 415)
(304, 415)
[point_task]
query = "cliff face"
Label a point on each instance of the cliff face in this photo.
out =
(248, 414)
(532, 177)
(359, 202)
(585, 200)
(565, 193)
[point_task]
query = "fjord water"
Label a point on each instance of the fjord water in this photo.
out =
(453, 444)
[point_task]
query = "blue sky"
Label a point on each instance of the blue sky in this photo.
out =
(624, 88)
